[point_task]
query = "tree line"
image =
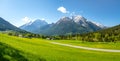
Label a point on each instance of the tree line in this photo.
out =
(106, 35)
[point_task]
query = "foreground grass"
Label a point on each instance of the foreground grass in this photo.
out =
(42, 50)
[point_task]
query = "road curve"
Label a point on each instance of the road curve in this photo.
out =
(86, 48)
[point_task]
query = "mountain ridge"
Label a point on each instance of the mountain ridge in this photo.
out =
(65, 25)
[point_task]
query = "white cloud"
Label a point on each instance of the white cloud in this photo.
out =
(62, 9)
(43, 19)
(26, 19)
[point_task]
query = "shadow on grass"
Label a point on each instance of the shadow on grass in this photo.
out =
(8, 53)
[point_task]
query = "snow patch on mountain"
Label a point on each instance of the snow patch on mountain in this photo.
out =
(98, 24)
(78, 18)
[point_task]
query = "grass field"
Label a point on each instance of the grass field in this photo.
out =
(23, 49)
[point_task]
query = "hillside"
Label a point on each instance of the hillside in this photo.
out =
(6, 26)
(109, 35)
(111, 30)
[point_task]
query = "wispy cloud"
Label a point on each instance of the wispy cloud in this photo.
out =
(63, 9)
(26, 19)
(72, 14)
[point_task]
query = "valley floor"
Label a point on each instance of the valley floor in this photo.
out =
(42, 50)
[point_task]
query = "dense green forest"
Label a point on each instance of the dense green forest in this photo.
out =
(107, 35)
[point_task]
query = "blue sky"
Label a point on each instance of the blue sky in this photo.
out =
(18, 12)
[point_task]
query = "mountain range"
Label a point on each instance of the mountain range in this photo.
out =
(77, 25)
(64, 26)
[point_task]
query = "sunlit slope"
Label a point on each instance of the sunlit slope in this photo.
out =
(42, 50)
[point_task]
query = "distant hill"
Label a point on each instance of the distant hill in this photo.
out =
(6, 26)
(113, 30)
(108, 35)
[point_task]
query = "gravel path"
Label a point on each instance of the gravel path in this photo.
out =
(86, 48)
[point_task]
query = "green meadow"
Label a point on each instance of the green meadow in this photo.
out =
(23, 49)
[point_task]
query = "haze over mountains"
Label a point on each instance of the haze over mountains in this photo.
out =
(65, 25)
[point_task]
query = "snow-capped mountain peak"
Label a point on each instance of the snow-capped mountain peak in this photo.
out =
(65, 18)
(78, 18)
(33, 25)
(98, 24)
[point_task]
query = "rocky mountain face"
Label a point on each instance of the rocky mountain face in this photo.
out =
(32, 26)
